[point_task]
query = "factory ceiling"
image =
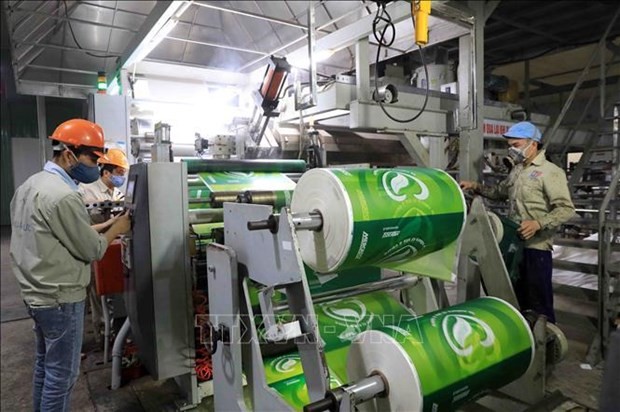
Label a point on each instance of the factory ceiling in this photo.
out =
(68, 42)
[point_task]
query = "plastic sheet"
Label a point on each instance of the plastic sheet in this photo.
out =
(446, 358)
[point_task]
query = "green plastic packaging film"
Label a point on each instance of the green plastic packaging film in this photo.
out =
(444, 359)
(285, 374)
(342, 279)
(341, 321)
(406, 219)
(242, 181)
(199, 192)
(258, 165)
(204, 229)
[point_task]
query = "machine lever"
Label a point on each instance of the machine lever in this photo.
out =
(222, 333)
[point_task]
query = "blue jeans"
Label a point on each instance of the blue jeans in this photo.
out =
(58, 332)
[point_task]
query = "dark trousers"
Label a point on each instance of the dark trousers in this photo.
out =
(533, 288)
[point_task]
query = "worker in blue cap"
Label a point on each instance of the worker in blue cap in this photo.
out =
(539, 199)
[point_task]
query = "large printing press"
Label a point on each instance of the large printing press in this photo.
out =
(277, 284)
(320, 294)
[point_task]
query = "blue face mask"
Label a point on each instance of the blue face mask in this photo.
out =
(117, 181)
(83, 173)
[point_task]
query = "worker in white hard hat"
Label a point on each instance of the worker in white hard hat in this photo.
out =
(540, 202)
(52, 246)
(113, 168)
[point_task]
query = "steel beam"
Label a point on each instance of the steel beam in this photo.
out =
(253, 15)
(22, 53)
(527, 28)
(349, 35)
(61, 69)
(471, 96)
(74, 20)
(29, 16)
(101, 6)
(292, 43)
(30, 87)
(216, 45)
(66, 48)
(489, 8)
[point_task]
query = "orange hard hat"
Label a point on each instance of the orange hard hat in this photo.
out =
(80, 132)
(115, 157)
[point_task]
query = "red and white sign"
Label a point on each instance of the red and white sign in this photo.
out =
(495, 128)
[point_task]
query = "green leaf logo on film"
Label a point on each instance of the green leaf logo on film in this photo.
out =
(396, 184)
(286, 363)
(471, 339)
(349, 313)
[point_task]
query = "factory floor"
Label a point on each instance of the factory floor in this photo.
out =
(572, 377)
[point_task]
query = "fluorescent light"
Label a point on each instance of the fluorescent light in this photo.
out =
(147, 46)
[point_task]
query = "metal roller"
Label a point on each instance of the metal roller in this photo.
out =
(258, 165)
(302, 221)
(217, 199)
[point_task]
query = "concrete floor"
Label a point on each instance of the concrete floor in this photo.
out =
(92, 394)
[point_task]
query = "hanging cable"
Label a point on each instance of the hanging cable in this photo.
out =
(101, 56)
(383, 16)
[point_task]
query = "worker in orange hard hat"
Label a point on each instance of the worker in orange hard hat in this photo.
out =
(52, 246)
(114, 167)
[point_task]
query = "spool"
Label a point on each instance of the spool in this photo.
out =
(218, 199)
(276, 198)
(381, 217)
(444, 359)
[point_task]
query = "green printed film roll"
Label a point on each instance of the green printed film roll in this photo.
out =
(444, 359)
(341, 321)
(389, 218)
(284, 374)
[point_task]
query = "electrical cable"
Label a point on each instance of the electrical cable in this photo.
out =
(383, 16)
(104, 56)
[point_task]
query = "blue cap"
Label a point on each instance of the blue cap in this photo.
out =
(524, 130)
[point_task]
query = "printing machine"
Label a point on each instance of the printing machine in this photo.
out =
(255, 250)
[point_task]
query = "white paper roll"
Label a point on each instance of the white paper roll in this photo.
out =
(319, 190)
(375, 351)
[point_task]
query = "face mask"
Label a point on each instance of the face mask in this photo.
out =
(117, 181)
(518, 155)
(83, 173)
